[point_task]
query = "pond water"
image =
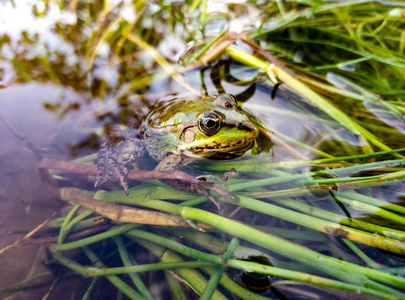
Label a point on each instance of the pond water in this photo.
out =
(68, 70)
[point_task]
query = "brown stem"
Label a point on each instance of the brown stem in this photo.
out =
(28, 235)
(79, 168)
(124, 214)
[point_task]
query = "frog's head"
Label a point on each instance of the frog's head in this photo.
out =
(220, 129)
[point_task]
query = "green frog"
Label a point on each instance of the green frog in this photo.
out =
(176, 132)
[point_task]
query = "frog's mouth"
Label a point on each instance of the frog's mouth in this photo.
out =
(227, 155)
(218, 150)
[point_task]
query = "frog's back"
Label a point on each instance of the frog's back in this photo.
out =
(172, 111)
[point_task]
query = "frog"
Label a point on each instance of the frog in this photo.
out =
(176, 132)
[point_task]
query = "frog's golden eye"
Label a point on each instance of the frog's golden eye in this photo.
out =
(209, 122)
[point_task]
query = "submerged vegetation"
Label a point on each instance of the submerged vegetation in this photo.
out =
(322, 213)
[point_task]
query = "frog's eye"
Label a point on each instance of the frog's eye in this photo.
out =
(226, 100)
(209, 122)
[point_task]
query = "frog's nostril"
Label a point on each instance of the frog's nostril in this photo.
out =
(245, 126)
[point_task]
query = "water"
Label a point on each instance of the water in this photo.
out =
(68, 71)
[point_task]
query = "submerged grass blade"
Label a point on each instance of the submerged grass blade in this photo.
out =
(312, 279)
(127, 262)
(217, 274)
(361, 254)
(119, 284)
(193, 278)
